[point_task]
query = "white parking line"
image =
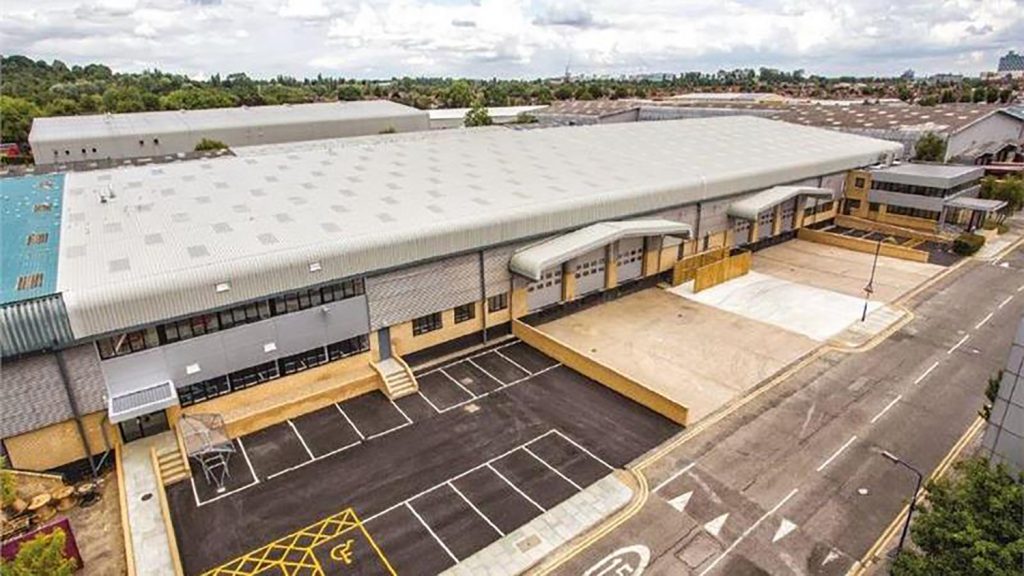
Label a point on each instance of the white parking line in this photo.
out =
(389, 431)
(575, 443)
(1005, 302)
(836, 454)
(457, 383)
(926, 373)
(400, 411)
(984, 320)
(1020, 288)
(886, 409)
(477, 355)
(436, 538)
(301, 439)
(432, 405)
(318, 458)
(475, 509)
(488, 374)
(255, 481)
(349, 420)
(552, 468)
(512, 362)
(516, 488)
(675, 475)
(958, 344)
(748, 531)
(496, 390)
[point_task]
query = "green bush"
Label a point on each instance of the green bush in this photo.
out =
(999, 227)
(967, 244)
(209, 144)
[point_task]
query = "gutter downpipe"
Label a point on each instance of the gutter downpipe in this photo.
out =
(483, 294)
(63, 369)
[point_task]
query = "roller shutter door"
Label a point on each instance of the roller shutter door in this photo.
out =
(402, 295)
(764, 224)
(629, 258)
(788, 213)
(589, 271)
(740, 232)
(546, 292)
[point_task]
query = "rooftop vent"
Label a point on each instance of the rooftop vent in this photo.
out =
(37, 238)
(30, 281)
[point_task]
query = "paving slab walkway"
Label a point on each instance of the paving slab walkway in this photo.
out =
(150, 543)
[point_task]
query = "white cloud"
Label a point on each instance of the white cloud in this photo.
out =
(520, 38)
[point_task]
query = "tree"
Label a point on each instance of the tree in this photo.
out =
(8, 491)
(41, 555)
(459, 95)
(1010, 190)
(194, 98)
(991, 393)
(478, 116)
(350, 92)
(970, 524)
(930, 148)
(17, 115)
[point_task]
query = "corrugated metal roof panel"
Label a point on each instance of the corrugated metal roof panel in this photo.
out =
(32, 325)
(749, 207)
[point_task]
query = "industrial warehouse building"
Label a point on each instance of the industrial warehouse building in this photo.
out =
(219, 285)
(112, 137)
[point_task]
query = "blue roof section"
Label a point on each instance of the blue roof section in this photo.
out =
(1015, 111)
(30, 215)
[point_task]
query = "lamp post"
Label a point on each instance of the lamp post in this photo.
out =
(913, 501)
(870, 288)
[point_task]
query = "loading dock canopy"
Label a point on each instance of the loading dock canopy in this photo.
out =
(749, 207)
(977, 204)
(532, 261)
(128, 405)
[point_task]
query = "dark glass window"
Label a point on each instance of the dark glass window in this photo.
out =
(427, 323)
(346, 348)
(858, 182)
(497, 302)
(125, 343)
(465, 312)
(302, 361)
(205, 390)
(252, 376)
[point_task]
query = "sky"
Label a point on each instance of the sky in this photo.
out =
(515, 38)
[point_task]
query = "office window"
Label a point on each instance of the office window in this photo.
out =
(427, 323)
(303, 361)
(858, 182)
(316, 296)
(346, 348)
(202, 391)
(244, 314)
(465, 312)
(126, 343)
(873, 206)
(498, 302)
(253, 375)
(187, 328)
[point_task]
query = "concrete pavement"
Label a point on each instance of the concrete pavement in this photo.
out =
(792, 483)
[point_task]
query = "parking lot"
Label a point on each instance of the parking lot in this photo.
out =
(489, 442)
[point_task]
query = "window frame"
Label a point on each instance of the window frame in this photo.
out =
(464, 312)
(427, 323)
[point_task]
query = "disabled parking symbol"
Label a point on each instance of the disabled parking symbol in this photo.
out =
(628, 561)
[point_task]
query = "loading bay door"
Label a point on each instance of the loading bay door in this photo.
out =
(629, 258)
(546, 292)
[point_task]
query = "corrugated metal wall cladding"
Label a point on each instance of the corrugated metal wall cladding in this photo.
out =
(33, 325)
(402, 295)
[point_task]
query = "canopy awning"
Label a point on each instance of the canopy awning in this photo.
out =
(749, 207)
(532, 261)
(979, 204)
(128, 405)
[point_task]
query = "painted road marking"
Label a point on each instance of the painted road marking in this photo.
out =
(1005, 302)
(836, 454)
(747, 532)
(553, 469)
(984, 320)
(513, 362)
(486, 373)
(628, 561)
(301, 439)
(432, 405)
(475, 509)
(582, 449)
(784, 529)
(255, 481)
(308, 462)
(886, 409)
(926, 372)
(680, 502)
(958, 344)
(514, 487)
(349, 420)
(1020, 288)
(400, 411)
(477, 355)
(684, 470)
(457, 383)
(436, 538)
(713, 527)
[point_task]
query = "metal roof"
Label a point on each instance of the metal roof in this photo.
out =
(748, 208)
(492, 111)
(193, 236)
(31, 325)
(144, 400)
(96, 126)
(980, 204)
(927, 174)
(30, 226)
(532, 261)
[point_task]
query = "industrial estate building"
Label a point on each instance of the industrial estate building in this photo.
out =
(136, 293)
(106, 137)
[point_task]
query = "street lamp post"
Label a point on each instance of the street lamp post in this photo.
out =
(870, 288)
(913, 501)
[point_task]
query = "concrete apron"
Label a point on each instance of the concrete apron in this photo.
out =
(149, 538)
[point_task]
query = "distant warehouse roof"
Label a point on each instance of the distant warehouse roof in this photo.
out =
(140, 134)
(191, 236)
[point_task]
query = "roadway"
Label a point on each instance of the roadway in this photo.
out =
(792, 482)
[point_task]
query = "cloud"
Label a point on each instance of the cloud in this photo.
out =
(515, 38)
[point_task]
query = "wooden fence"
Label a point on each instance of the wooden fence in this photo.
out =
(686, 269)
(722, 271)
(861, 245)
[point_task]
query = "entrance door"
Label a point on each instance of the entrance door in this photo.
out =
(384, 342)
(143, 426)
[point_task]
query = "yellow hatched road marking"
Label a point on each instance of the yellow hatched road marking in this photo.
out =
(294, 554)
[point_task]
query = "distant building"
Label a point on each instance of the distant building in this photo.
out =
(995, 137)
(1004, 435)
(456, 117)
(1011, 62)
(105, 137)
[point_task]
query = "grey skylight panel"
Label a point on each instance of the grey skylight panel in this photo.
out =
(198, 251)
(385, 217)
(222, 227)
(258, 192)
(112, 228)
(152, 239)
(119, 265)
(220, 185)
(308, 185)
(76, 251)
(283, 218)
(330, 227)
(76, 217)
(202, 200)
(435, 208)
(297, 200)
(165, 192)
(180, 217)
(188, 178)
(241, 208)
(270, 178)
(266, 238)
(339, 208)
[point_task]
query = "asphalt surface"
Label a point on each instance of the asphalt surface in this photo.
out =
(792, 482)
(489, 443)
